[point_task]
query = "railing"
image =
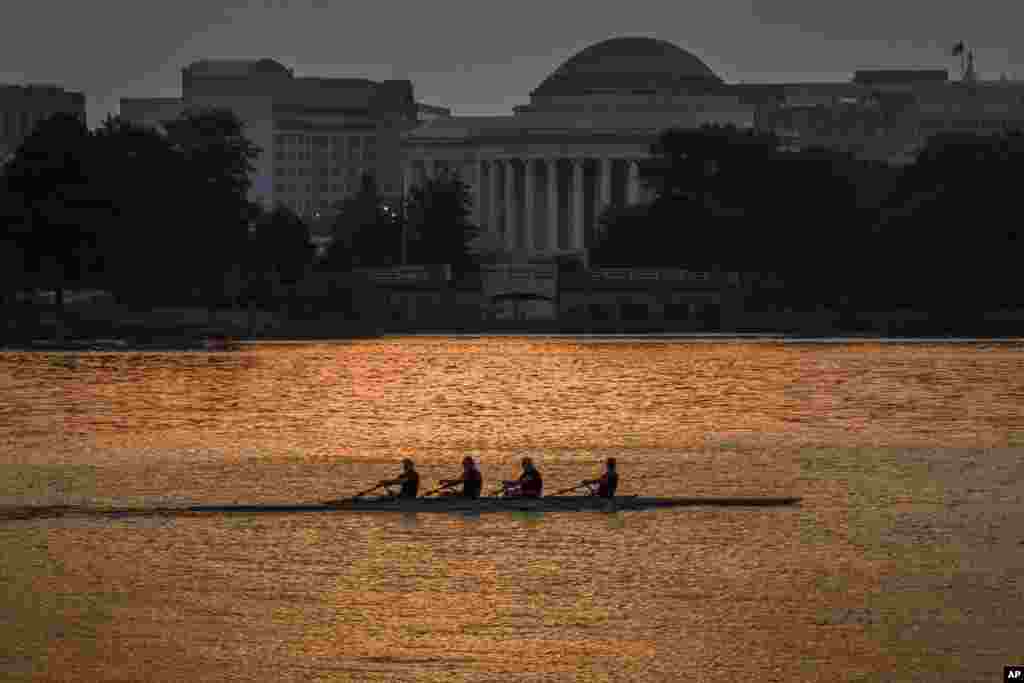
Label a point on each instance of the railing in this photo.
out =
(408, 274)
(506, 276)
(651, 275)
(538, 279)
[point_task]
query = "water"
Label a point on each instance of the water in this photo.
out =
(904, 563)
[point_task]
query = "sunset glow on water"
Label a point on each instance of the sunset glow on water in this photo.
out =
(904, 561)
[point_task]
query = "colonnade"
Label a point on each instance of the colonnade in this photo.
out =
(538, 204)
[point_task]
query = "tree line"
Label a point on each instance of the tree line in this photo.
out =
(164, 216)
(827, 228)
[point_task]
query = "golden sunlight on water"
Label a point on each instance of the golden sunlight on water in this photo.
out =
(905, 561)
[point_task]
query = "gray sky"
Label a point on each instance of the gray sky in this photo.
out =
(482, 57)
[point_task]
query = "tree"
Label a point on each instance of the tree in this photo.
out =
(365, 231)
(698, 213)
(52, 173)
(218, 160)
(15, 233)
(281, 249)
(951, 226)
(705, 162)
(148, 236)
(438, 223)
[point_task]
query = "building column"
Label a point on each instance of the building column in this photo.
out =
(606, 183)
(552, 199)
(576, 235)
(478, 192)
(510, 204)
(633, 182)
(407, 178)
(492, 200)
(605, 193)
(529, 188)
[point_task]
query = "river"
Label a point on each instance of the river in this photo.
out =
(904, 562)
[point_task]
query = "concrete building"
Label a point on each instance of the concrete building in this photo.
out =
(23, 106)
(541, 177)
(318, 135)
(885, 114)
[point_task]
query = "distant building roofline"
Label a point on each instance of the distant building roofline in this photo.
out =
(433, 109)
(880, 76)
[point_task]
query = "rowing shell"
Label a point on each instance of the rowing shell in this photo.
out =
(547, 504)
(386, 504)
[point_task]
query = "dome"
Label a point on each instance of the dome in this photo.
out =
(628, 65)
(235, 67)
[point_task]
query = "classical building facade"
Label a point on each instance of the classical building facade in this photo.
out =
(23, 106)
(318, 136)
(541, 177)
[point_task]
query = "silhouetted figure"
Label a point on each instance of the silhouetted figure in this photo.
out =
(529, 485)
(409, 480)
(607, 483)
(472, 481)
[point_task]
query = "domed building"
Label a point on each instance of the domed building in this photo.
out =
(628, 65)
(542, 176)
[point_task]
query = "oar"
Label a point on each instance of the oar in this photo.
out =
(354, 498)
(440, 488)
(570, 490)
(363, 493)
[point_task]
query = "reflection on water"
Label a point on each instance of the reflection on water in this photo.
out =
(904, 561)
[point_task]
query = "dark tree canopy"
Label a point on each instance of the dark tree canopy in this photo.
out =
(438, 223)
(51, 183)
(366, 231)
(281, 245)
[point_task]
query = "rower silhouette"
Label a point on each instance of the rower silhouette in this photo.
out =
(607, 482)
(472, 481)
(409, 480)
(529, 485)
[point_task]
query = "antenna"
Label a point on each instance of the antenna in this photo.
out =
(969, 74)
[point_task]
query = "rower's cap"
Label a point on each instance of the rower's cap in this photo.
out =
(468, 460)
(527, 460)
(408, 461)
(611, 462)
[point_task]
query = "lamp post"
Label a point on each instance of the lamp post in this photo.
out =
(405, 248)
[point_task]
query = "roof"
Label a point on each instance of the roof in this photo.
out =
(897, 76)
(627, 64)
(235, 67)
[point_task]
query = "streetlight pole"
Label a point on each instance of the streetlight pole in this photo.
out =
(401, 216)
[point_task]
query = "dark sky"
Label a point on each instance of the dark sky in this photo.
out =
(481, 56)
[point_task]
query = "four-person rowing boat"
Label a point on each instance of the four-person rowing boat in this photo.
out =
(547, 503)
(523, 494)
(452, 504)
